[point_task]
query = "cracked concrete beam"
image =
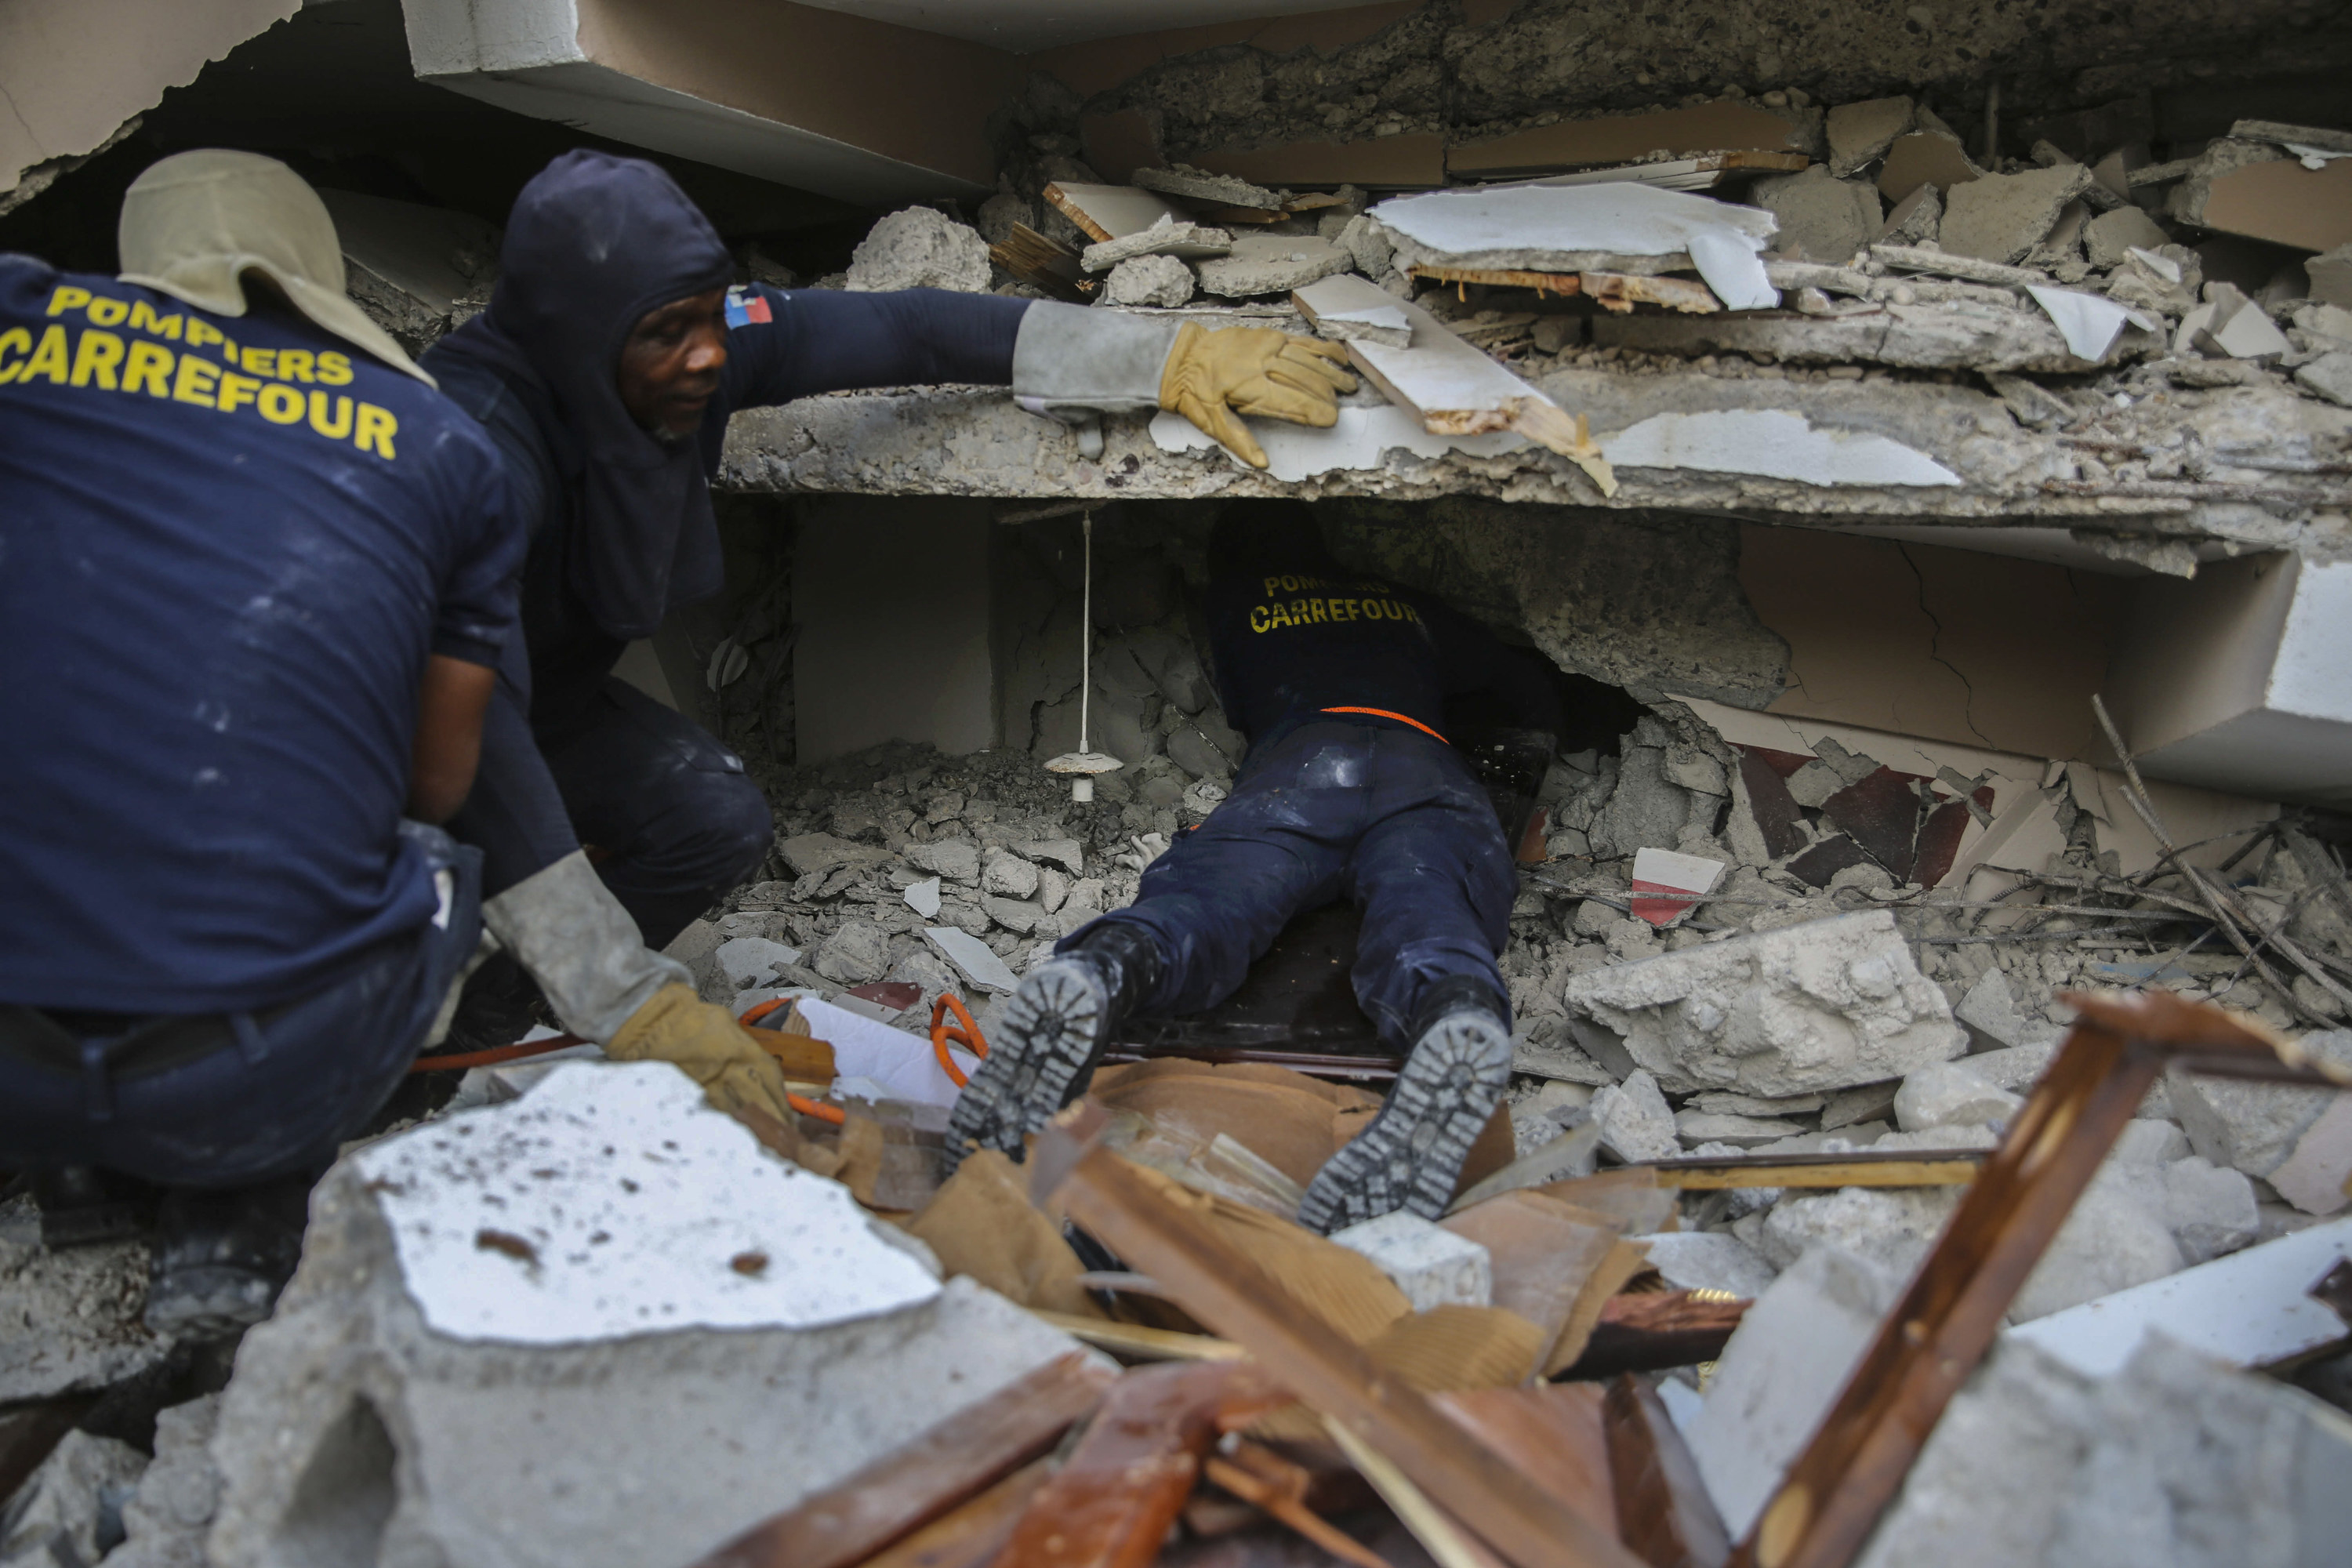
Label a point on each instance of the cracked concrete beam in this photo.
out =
(974, 442)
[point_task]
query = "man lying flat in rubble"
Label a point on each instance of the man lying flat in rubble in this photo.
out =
(1349, 791)
(612, 355)
(242, 535)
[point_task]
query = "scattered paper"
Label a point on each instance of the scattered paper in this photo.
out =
(1732, 268)
(1772, 443)
(2089, 322)
(967, 952)
(1667, 871)
(923, 898)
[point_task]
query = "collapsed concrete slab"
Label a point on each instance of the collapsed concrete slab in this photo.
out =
(596, 1326)
(1827, 1005)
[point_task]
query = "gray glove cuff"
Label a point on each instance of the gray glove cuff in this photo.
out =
(1073, 357)
(569, 933)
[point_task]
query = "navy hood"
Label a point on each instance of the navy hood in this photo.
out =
(594, 243)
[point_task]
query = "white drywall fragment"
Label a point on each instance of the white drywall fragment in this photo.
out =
(2089, 322)
(1547, 227)
(901, 1062)
(1361, 439)
(967, 952)
(1668, 871)
(585, 1212)
(1774, 443)
(1733, 269)
(923, 898)
(2250, 1308)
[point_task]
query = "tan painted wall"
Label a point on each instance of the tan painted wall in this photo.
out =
(1918, 639)
(72, 71)
(918, 97)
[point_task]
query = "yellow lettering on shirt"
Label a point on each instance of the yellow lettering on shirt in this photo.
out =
(201, 332)
(281, 405)
(195, 381)
(148, 370)
(294, 364)
(49, 357)
(377, 428)
(236, 391)
(261, 362)
(334, 429)
(14, 341)
(144, 318)
(96, 357)
(1322, 608)
(1257, 620)
(108, 311)
(335, 368)
(68, 298)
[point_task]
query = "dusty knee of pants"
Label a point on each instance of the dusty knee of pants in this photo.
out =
(732, 828)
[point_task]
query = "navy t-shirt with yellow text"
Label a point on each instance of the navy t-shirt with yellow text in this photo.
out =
(227, 545)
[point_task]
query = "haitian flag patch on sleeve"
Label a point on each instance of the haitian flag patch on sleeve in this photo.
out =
(743, 306)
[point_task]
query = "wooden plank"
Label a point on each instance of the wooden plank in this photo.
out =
(1043, 261)
(973, 1535)
(1415, 161)
(1561, 283)
(1112, 1501)
(1289, 1504)
(1224, 1288)
(1623, 138)
(1553, 1432)
(921, 1480)
(1141, 1344)
(1655, 1330)
(1113, 212)
(1939, 1331)
(1620, 292)
(1664, 1511)
(1954, 1171)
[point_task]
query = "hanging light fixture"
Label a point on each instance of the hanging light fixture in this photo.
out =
(1083, 764)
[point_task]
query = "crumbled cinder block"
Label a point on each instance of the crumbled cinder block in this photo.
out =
(1432, 1267)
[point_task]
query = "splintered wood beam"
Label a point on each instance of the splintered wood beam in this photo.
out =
(973, 1535)
(1041, 260)
(921, 1480)
(1956, 1169)
(1662, 1329)
(1927, 1347)
(1664, 1511)
(1111, 1503)
(1221, 1287)
(1559, 283)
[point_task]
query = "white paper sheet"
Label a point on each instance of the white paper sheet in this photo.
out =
(2089, 322)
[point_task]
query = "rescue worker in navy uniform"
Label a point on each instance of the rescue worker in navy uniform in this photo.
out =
(1348, 790)
(256, 575)
(605, 369)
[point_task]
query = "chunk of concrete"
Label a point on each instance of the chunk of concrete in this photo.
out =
(2109, 239)
(1999, 217)
(1432, 1267)
(1950, 1094)
(1367, 244)
(1867, 1102)
(920, 248)
(1008, 875)
(72, 1321)
(2329, 375)
(1161, 281)
(810, 853)
(1708, 1260)
(171, 1512)
(1822, 218)
(1860, 134)
(2211, 1210)
(1824, 1004)
(1890, 1228)
(956, 860)
(1271, 264)
(856, 952)
(1176, 240)
(1189, 183)
(599, 1326)
(2317, 1177)
(747, 961)
(2116, 1236)
(2254, 1127)
(1989, 1008)
(69, 1509)
(1785, 1364)
(2017, 1068)
(2330, 276)
(1994, 1474)
(1636, 1125)
(1916, 219)
(1696, 1127)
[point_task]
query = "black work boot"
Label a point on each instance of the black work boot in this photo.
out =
(1411, 1154)
(499, 1005)
(1043, 1043)
(222, 1257)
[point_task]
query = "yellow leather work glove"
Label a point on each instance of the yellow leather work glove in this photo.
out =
(703, 1040)
(1211, 377)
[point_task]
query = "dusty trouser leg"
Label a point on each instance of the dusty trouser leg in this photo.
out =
(1205, 911)
(1434, 878)
(675, 822)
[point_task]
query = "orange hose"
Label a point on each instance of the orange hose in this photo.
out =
(968, 1036)
(491, 1059)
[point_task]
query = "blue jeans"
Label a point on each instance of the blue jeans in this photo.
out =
(294, 1083)
(1388, 817)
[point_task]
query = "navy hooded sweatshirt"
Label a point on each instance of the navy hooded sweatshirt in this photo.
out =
(622, 528)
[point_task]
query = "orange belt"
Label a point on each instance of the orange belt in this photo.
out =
(1385, 713)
